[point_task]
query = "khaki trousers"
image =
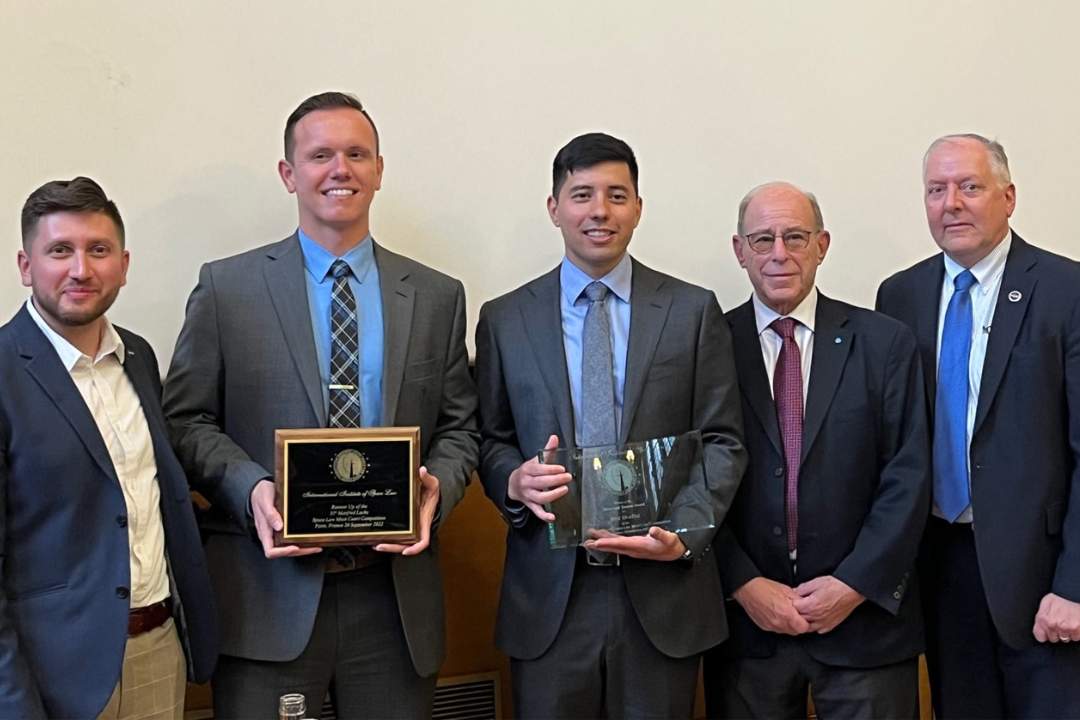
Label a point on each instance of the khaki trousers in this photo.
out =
(153, 680)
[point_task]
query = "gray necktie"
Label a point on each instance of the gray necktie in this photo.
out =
(597, 386)
(597, 373)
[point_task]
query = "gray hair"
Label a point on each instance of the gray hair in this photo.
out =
(999, 162)
(754, 193)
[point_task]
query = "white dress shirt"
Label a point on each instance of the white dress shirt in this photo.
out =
(805, 314)
(113, 402)
(984, 295)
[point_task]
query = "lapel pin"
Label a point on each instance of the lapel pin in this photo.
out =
(837, 341)
(1015, 296)
(131, 353)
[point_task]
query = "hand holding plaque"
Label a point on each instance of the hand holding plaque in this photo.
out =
(348, 486)
(627, 489)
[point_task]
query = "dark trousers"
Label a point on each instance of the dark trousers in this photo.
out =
(357, 652)
(777, 687)
(601, 663)
(973, 672)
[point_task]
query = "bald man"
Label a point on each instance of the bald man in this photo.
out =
(818, 550)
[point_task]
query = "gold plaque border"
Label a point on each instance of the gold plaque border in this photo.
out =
(284, 438)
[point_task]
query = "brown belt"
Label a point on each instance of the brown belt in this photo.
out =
(147, 618)
(362, 558)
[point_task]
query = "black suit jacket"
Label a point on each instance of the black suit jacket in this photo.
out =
(64, 557)
(1025, 480)
(864, 486)
(680, 376)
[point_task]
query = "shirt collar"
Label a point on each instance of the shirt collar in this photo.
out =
(111, 344)
(619, 281)
(987, 269)
(318, 260)
(805, 313)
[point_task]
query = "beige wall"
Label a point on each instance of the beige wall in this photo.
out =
(177, 109)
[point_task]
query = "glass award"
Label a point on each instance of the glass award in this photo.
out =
(627, 489)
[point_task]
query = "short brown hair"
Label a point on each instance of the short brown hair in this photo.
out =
(324, 101)
(81, 195)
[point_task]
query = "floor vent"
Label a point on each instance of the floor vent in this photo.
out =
(468, 697)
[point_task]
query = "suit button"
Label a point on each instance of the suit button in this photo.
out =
(122, 592)
(896, 594)
(778, 471)
(121, 520)
(777, 531)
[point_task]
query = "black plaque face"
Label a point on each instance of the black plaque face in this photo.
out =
(348, 486)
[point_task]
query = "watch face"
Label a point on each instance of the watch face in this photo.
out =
(619, 477)
(349, 465)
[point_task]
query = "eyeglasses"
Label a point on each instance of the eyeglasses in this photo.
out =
(763, 242)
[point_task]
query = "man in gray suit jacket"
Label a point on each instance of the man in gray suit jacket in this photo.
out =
(254, 356)
(621, 638)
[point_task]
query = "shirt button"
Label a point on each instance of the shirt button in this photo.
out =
(122, 592)
(777, 531)
(778, 472)
(121, 520)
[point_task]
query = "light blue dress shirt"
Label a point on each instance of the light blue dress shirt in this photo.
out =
(574, 307)
(364, 283)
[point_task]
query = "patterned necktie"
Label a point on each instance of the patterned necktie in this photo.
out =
(344, 352)
(788, 396)
(344, 376)
(597, 374)
(597, 387)
(951, 493)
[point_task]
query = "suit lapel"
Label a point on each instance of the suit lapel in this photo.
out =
(648, 314)
(753, 378)
(1008, 316)
(398, 299)
(45, 367)
(541, 316)
(832, 344)
(927, 301)
(284, 275)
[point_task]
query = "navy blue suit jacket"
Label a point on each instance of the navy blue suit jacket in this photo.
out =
(864, 486)
(64, 557)
(1025, 446)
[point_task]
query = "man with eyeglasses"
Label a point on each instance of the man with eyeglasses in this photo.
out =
(819, 548)
(998, 323)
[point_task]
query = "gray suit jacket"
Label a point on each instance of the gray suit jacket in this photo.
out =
(680, 376)
(245, 365)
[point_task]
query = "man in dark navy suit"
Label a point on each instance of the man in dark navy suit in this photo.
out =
(998, 326)
(106, 602)
(818, 551)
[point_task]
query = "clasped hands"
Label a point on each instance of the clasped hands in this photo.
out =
(267, 520)
(818, 605)
(535, 484)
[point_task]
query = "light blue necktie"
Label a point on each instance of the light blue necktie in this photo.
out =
(951, 493)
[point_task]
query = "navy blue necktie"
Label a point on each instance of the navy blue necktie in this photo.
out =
(951, 493)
